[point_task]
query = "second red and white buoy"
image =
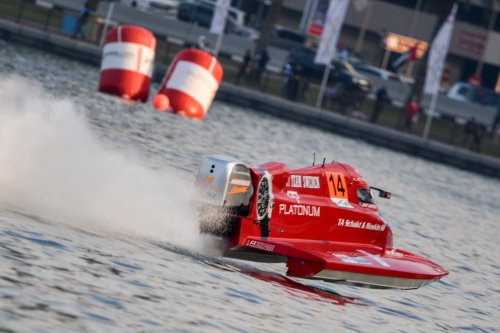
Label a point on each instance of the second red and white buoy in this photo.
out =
(190, 84)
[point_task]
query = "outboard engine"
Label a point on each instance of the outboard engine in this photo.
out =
(225, 188)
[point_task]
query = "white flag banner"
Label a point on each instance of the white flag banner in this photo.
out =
(219, 19)
(331, 31)
(437, 55)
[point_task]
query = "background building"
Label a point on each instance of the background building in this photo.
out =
(474, 49)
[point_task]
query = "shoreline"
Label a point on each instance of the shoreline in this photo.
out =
(275, 106)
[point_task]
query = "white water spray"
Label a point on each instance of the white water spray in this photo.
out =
(52, 165)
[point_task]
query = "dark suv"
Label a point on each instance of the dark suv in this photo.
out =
(201, 14)
(340, 72)
(286, 39)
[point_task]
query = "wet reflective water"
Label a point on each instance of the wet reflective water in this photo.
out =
(97, 230)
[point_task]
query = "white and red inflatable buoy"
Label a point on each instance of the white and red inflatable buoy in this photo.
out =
(190, 84)
(127, 62)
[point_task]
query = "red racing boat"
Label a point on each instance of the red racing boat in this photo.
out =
(321, 220)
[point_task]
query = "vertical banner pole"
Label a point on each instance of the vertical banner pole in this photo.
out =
(328, 44)
(218, 23)
(218, 44)
(322, 88)
(435, 65)
(430, 114)
(106, 23)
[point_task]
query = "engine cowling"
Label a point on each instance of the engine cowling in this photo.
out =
(225, 188)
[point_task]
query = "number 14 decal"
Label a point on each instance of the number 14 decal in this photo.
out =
(336, 185)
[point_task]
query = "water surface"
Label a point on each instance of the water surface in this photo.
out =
(97, 230)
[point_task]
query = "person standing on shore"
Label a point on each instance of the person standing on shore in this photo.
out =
(411, 113)
(287, 76)
(473, 134)
(83, 18)
(294, 83)
(242, 71)
(382, 97)
(261, 65)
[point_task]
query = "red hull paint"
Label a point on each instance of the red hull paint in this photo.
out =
(321, 220)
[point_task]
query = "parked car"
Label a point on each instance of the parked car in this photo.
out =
(464, 91)
(201, 14)
(286, 38)
(166, 5)
(236, 15)
(246, 33)
(197, 13)
(349, 55)
(340, 71)
(366, 69)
